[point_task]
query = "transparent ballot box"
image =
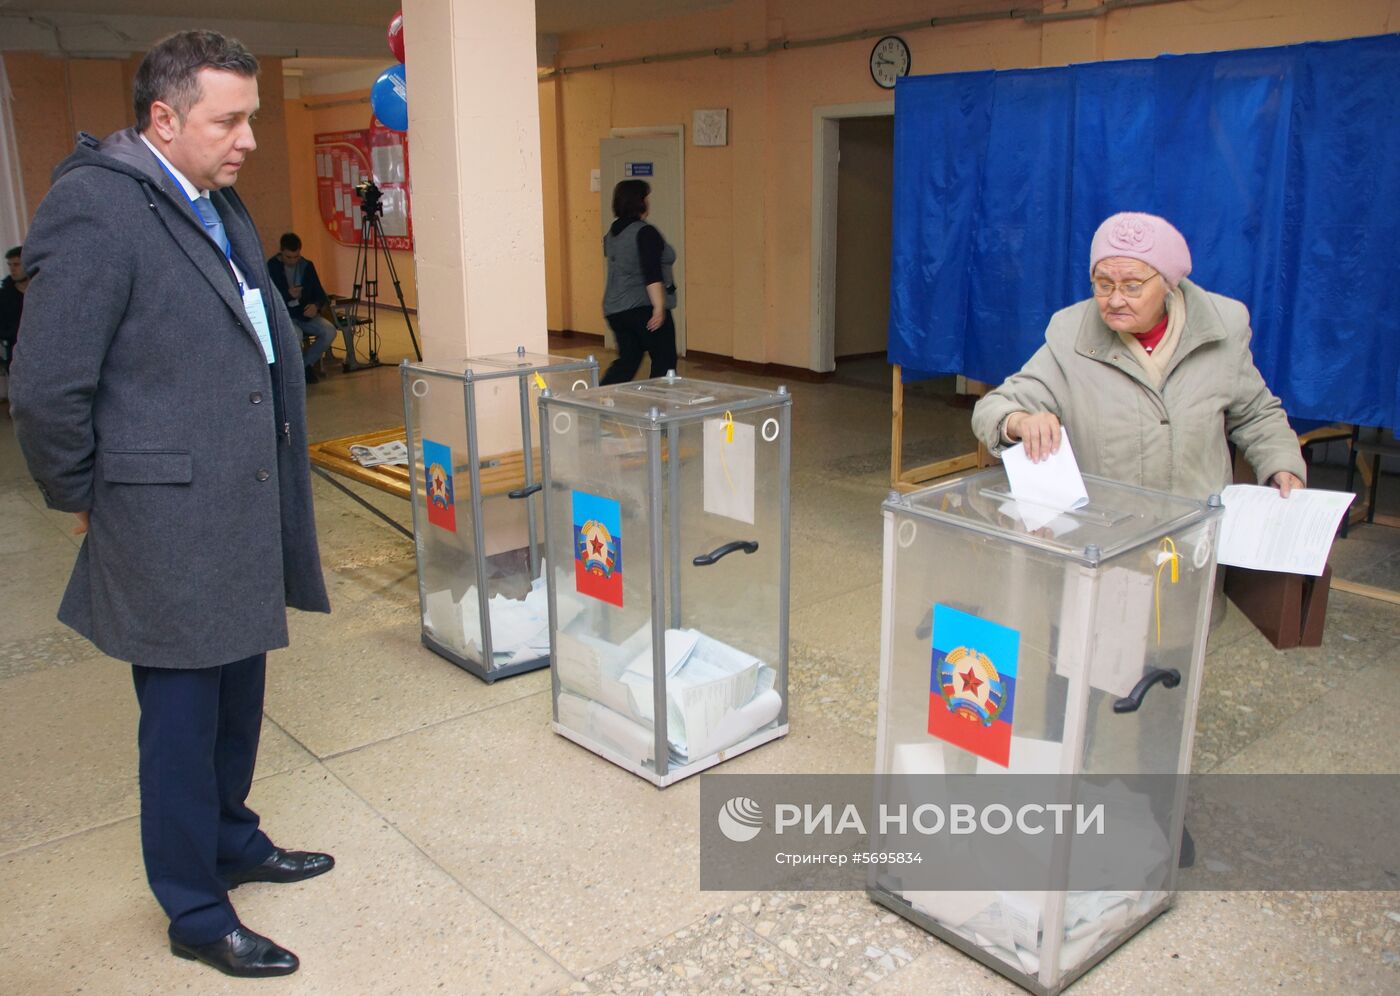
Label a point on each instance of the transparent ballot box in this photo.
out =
(1042, 658)
(473, 436)
(667, 520)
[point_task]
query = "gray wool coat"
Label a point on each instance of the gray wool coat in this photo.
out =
(1172, 438)
(141, 395)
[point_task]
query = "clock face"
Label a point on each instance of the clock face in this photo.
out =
(889, 60)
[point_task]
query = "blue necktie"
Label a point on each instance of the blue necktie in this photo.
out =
(212, 224)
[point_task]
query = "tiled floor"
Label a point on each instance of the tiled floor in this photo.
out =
(480, 852)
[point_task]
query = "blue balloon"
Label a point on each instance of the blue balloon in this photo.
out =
(389, 98)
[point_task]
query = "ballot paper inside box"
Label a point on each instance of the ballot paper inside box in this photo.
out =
(472, 427)
(666, 503)
(1069, 648)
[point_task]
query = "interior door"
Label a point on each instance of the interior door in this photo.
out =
(657, 160)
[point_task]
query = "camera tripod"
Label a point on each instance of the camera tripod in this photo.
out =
(367, 255)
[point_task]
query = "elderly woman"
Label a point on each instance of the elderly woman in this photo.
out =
(1149, 377)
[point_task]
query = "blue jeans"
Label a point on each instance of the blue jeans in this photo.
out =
(322, 334)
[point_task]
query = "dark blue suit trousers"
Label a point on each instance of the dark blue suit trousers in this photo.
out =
(198, 744)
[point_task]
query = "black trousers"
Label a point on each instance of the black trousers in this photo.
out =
(633, 339)
(198, 743)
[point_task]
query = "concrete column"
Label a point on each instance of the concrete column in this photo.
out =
(474, 152)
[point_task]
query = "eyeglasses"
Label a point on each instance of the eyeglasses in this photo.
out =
(1132, 289)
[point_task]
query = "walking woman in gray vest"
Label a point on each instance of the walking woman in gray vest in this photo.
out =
(641, 289)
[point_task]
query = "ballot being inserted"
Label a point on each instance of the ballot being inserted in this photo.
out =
(1044, 490)
(1267, 532)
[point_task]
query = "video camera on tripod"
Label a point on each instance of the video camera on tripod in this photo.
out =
(372, 248)
(371, 198)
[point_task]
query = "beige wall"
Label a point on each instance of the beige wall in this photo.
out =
(864, 199)
(57, 98)
(748, 205)
(43, 118)
(99, 94)
(263, 183)
(299, 125)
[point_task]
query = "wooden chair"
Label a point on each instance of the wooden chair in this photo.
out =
(1383, 445)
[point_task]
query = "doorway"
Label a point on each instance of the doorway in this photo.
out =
(864, 203)
(827, 167)
(655, 155)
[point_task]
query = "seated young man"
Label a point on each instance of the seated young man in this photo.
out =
(295, 277)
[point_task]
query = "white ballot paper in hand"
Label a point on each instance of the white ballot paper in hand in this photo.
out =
(1267, 532)
(1044, 490)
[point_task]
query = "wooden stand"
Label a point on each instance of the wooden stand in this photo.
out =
(499, 473)
(1289, 609)
(331, 458)
(333, 455)
(917, 477)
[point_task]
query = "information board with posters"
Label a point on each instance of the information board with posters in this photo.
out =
(343, 160)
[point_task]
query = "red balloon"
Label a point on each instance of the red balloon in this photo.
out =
(396, 36)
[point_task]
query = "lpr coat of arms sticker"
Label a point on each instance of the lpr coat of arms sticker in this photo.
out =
(972, 687)
(438, 486)
(598, 547)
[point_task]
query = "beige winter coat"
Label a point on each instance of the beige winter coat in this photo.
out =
(1123, 428)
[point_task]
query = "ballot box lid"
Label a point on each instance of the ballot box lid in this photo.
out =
(510, 364)
(1117, 518)
(667, 399)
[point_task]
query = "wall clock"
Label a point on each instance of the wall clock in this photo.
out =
(889, 60)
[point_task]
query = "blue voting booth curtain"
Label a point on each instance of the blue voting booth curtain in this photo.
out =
(1281, 167)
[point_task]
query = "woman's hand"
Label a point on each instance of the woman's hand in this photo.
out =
(82, 525)
(1285, 482)
(656, 294)
(1040, 433)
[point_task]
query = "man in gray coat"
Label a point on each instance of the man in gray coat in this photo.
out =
(157, 394)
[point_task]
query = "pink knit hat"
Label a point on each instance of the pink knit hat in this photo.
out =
(1146, 237)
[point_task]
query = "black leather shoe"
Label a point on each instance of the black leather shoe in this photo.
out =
(284, 866)
(242, 953)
